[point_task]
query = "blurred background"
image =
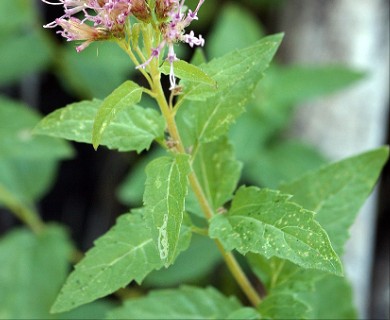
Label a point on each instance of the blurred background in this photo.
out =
(326, 97)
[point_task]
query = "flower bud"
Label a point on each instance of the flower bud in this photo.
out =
(163, 8)
(140, 10)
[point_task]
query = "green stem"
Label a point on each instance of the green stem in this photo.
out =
(22, 212)
(230, 260)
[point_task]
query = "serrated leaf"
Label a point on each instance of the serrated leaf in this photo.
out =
(125, 96)
(217, 170)
(183, 303)
(234, 67)
(165, 191)
(189, 72)
(32, 270)
(283, 305)
(125, 253)
(337, 191)
(237, 75)
(134, 128)
(266, 222)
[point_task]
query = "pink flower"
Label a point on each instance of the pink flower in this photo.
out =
(173, 31)
(108, 19)
(74, 29)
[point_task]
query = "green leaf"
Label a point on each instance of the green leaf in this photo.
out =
(125, 96)
(27, 163)
(237, 74)
(125, 253)
(183, 303)
(337, 191)
(134, 128)
(202, 250)
(234, 67)
(95, 310)
(282, 305)
(165, 191)
(96, 72)
(198, 57)
(282, 162)
(189, 72)
(259, 131)
(266, 222)
(217, 170)
(327, 296)
(15, 63)
(16, 16)
(229, 35)
(282, 275)
(131, 190)
(32, 271)
(331, 299)
(293, 84)
(16, 139)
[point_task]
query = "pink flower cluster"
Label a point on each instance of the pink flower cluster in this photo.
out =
(107, 16)
(173, 31)
(104, 19)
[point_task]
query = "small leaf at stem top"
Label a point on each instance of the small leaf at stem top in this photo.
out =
(126, 95)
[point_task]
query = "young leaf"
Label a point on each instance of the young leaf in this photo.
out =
(232, 68)
(266, 222)
(237, 75)
(189, 72)
(33, 267)
(165, 191)
(217, 170)
(283, 305)
(126, 95)
(183, 303)
(336, 192)
(125, 253)
(134, 128)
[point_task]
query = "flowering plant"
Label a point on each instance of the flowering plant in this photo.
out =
(277, 244)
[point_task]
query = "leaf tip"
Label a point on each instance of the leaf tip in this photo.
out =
(95, 145)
